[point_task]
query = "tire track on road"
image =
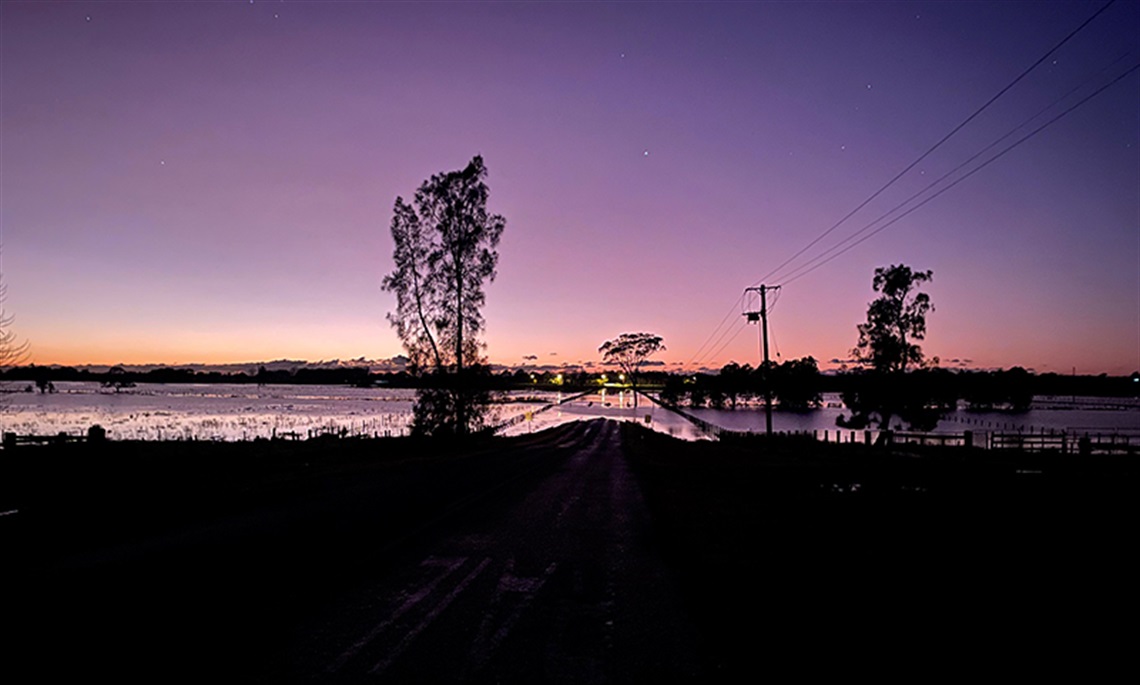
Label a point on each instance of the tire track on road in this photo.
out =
(548, 583)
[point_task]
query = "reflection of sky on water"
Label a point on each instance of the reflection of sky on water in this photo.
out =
(1088, 415)
(611, 405)
(236, 412)
(154, 411)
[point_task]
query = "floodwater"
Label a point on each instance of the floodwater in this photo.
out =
(606, 404)
(247, 411)
(223, 411)
(154, 411)
(1078, 415)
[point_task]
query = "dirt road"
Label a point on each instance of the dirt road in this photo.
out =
(560, 584)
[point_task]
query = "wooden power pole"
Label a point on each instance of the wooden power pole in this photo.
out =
(761, 315)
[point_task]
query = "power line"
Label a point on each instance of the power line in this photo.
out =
(718, 327)
(722, 346)
(891, 182)
(718, 345)
(968, 174)
(740, 327)
(806, 266)
(924, 155)
(775, 343)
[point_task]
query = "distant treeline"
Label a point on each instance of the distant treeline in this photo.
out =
(119, 375)
(795, 384)
(798, 385)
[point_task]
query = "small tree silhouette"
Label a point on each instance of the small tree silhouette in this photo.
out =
(117, 378)
(629, 351)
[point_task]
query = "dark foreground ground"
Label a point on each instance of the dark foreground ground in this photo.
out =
(594, 552)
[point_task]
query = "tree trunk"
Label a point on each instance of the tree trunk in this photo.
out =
(460, 397)
(633, 384)
(423, 319)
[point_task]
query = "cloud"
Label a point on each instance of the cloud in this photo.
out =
(530, 357)
(553, 354)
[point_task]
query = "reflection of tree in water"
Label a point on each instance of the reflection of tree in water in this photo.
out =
(439, 407)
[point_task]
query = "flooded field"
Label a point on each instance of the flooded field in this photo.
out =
(611, 405)
(206, 411)
(153, 411)
(1059, 414)
(245, 412)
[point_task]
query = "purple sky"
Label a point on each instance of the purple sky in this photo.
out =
(214, 182)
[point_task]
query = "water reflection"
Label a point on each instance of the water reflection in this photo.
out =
(608, 404)
(236, 412)
(1090, 415)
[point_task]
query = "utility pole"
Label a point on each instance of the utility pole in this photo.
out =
(753, 315)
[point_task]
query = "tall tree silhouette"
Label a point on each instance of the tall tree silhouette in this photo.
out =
(886, 348)
(894, 319)
(629, 351)
(444, 251)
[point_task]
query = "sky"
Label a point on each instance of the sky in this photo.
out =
(213, 181)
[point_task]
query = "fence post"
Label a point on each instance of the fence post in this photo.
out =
(866, 437)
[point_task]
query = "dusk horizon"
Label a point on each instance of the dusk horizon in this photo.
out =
(397, 363)
(212, 183)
